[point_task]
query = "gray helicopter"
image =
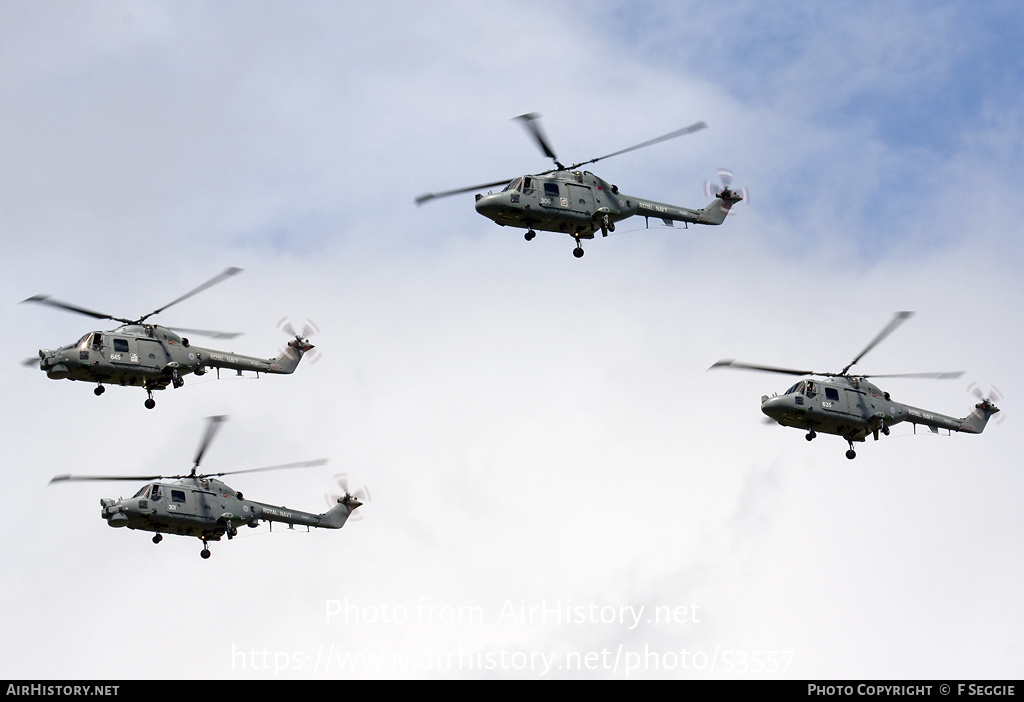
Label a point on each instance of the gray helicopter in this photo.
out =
(851, 407)
(579, 203)
(200, 505)
(152, 356)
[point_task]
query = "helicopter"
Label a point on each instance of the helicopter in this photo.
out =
(152, 356)
(851, 407)
(579, 203)
(200, 505)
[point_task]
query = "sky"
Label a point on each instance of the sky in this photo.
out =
(559, 487)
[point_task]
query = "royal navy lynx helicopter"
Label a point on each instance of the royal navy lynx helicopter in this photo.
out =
(149, 355)
(200, 505)
(579, 203)
(851, 407)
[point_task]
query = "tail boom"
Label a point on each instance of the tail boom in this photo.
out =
(715, 212)
(285, 363)
(974, 423)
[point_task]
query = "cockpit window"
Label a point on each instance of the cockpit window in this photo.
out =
(83, 343)
(143, 492)
(514, 185)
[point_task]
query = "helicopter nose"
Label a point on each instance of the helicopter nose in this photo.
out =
(774, 407)
(488, 205)
(54, 370)
(113, 512)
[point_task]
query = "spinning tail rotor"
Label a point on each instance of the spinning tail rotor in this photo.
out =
(360, 496)
(990, 398)
(308, 329)
(725, 190)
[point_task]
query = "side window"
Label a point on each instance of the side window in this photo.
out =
(551, 189)
(178, 496)
(832, 393)
(121, 345)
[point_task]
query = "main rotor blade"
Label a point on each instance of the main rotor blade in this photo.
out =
(227, 273)
(530, 122)
(211, 334)
(433, 196)
(47, 300)
(283, 466)
(68, 478)
(897, 320)
(211, 429)
(729, 363)
(695, 127)
(934, 376)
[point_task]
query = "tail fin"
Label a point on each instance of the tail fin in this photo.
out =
(289, 359)
(336, 516)
(975, 422)
(718, 210)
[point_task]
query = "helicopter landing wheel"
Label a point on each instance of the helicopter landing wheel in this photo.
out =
(851, 454)
(205, 553)
(150, 403)
(98, 390)
(158, 538)
(885, 430)
(810, 435)
(529, 235)
(578, 252)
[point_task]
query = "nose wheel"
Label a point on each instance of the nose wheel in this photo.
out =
(98, 390)
(150, 402)
(851, 454)
(205, 553)
(810, 435)
(578, 251)
(529, 235)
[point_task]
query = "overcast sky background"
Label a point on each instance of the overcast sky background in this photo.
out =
(538, 433)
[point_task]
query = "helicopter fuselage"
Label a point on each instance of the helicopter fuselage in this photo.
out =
(151, 356)
(208, 509)
(853, 408)
(580, 204)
